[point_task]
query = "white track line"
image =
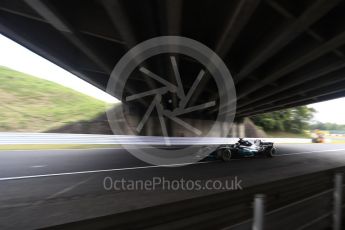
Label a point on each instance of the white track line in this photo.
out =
(67, 189)
(38, 166)
(98, 171)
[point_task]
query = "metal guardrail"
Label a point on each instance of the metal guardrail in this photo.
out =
(302, 202)
(313, 212)
(61, 138)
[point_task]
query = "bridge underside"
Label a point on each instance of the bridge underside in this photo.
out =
(280, 53)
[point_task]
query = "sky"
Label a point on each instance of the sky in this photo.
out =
(17, 57)
(332, 111)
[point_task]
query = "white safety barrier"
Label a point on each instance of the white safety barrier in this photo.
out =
(61, 138)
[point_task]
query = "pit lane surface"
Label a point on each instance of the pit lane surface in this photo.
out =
(49, 187)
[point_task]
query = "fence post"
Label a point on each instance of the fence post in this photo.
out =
(337, 196)
(259, 212)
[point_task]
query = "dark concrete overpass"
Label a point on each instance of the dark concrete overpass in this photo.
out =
(281, 53)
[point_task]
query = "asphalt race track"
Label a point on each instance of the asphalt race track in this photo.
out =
(49, 187)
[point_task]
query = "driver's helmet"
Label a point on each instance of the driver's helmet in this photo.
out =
(257, 142)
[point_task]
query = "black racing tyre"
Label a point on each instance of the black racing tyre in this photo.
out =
(270, 152)
(226, 155)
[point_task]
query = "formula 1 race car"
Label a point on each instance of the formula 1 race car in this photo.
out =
(245, 148)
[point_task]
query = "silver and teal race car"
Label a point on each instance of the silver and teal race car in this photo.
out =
(245, 148)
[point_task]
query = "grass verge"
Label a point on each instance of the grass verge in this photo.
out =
(31, 104)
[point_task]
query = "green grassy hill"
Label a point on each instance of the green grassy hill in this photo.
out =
(30, 104)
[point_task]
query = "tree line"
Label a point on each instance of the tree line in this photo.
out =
(294, 120)
(327, 126)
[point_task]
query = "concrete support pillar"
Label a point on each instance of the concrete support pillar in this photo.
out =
(234, 130)
(222, 129)
(241, 130)
(149, 127)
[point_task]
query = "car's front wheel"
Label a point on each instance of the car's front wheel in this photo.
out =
(270, 152)
(226, 155)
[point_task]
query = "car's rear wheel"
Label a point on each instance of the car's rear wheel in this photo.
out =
(270, 152)
(226, 155)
